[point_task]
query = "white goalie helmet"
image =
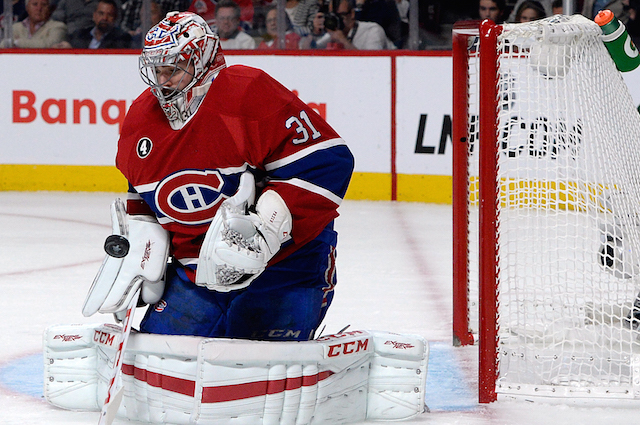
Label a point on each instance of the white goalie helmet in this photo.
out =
(182, 41)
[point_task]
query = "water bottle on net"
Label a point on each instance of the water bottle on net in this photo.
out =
(618, 41)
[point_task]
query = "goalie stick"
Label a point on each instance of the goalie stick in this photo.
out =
(114, 392)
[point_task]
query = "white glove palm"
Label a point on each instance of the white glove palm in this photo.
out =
(239, 243)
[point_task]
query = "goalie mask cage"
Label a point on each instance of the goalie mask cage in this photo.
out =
(546, 195)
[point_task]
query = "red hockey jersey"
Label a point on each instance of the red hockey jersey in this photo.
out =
(247, 121)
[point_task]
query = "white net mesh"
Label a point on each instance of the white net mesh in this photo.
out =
(568, 226)
(474, 195)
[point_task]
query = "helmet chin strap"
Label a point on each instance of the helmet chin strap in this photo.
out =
(201, 90)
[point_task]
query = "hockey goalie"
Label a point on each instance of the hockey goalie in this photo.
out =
(227, 236)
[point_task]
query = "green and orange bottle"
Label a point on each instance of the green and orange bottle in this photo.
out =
(618, 41)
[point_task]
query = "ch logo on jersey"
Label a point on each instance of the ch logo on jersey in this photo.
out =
(190, 196)
(144, 147)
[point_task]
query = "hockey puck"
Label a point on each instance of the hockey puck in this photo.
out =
(116, 246)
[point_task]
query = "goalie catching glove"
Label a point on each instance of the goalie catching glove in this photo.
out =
(239, 243)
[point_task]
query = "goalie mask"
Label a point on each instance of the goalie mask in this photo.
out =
(179, 60)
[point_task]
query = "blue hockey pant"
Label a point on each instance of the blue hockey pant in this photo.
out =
(287, 302)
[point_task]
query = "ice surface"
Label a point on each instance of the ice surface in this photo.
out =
(394, 273)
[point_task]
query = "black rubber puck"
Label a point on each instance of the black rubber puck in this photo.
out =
(116, 246)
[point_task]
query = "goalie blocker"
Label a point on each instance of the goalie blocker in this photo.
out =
(336, 379)
(137, 254)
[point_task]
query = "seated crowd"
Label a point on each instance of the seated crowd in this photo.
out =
(253, 24)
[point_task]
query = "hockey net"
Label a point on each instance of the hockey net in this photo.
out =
(546, 200)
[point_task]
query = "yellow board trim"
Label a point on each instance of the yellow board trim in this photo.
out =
(423, 188)
(369, 186)
(85, 178)
(70, 178)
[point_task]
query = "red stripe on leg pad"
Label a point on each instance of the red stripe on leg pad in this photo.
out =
(222, 393)
(256, 389)
(158, 380)
(293, 383)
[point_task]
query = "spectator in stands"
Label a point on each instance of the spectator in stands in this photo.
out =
(258, 22)
(207, 10)
(403, 10)
(77, 14)
(228, 25)
(529, 11)
(157, 13)
(632, 7)
(132, 14)
(383, 12)
(557, 8)
(590, 8)
(301, 13)
(352, 34)
(19, 11)
(546, 4)
(37, 30)
(270, 39)
(435, 20)
(492, 9)
(104, 34)
(319, 37)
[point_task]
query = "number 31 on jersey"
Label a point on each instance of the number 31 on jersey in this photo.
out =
(301, 129)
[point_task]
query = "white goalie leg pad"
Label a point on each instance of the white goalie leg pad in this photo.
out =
(144, 264)
(77, 364)
(398, 376)
(336, 379)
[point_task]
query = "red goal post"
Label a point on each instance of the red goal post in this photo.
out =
(470, 85)
(546, 211)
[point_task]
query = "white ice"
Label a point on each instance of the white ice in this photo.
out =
(394, 273)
